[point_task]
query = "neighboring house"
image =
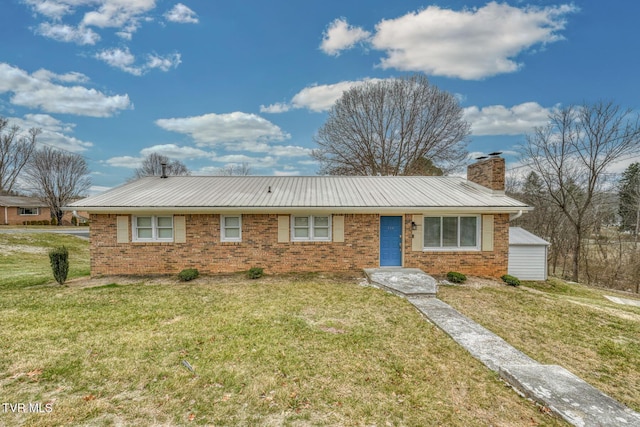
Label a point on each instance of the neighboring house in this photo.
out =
(16, 210)
(316, 223)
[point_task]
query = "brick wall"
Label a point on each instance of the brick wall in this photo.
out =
(488, 173)
(260, 248)
(476, 263)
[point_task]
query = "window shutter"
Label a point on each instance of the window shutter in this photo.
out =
(179, 229)
(337, 223)
(122, 233)
(283, 228)
(487, 232)
(416, 240)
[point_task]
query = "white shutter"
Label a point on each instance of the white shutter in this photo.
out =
(417, 239)
(337, 223)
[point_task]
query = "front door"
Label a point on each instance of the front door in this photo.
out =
(390, 241)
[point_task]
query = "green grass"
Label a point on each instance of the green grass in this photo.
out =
(296, 350)
(565, 324)
(24, 260)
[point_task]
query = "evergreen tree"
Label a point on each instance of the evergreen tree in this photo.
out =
(629, 196)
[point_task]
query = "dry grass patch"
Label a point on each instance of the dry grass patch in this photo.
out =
(566, 324)
(312, 350)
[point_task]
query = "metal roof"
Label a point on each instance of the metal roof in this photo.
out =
(269, 193)
(21, 201)
(521, 237)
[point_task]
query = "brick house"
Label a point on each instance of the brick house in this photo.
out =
(320, 223)
(16, 210)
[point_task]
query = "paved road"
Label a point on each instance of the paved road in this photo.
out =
(81, 232)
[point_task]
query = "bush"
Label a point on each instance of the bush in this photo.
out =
(74, 220)
(455, 277)
(255, 273)
(188, 274)
(511, 280)
(59, 258)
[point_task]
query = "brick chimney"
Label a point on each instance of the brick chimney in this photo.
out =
(488, 173)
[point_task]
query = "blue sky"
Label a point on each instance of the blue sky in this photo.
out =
(219, 83)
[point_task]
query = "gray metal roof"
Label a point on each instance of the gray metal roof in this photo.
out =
(340, 193)
(521, 237)
(21, 201)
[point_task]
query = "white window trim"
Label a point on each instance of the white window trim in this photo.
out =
(154, 229)
(453, 248)
(310, 228)
(223, 237)
(20, 210)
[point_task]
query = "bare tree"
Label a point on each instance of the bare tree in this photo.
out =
(152, 166)
(15, 151)
(243, 169)
(571, 156)
(385, 128)
(57, 177)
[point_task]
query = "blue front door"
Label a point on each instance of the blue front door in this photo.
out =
(390, 241)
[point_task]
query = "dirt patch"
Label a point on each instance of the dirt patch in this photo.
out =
(7, 249)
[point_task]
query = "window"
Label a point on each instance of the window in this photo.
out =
(311, 228)
(451, 232)
(153, 228)
(28, 211)
(231, 228)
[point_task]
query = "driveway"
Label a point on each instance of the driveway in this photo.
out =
(81, 232)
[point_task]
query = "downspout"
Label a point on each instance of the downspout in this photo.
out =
(515, 216)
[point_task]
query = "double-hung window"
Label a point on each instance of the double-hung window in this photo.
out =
(311, 228)
(231, 228)
(153, 228)
(451, 232)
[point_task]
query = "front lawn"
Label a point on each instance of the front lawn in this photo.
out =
(297, 350)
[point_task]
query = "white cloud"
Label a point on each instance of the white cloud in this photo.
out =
(128, 162)
(278, 107)
(97, 189)
(67, 33)
(124, 60)
(317, 98)
(174, 151)
(117, 13)
(72, 77)
(54, 132)
(500, 120)
(286, 173)
(340, 36)
(37, 91)
(181, 14)
(125, 15)
(237, 127)
(119, 58)
(469, 44)
(54, 9)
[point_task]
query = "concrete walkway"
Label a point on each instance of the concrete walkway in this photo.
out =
(552, 386)
(404, 282)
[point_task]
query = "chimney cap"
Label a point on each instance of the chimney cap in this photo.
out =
(495, 153)
(481, 157)
(164, 170)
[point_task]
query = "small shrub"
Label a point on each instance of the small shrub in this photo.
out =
(188, 274)
(255, 272)
(455, 277)
(74, 220)
(511, 280)
(59, 258)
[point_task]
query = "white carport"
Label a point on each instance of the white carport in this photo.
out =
(527, 255)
